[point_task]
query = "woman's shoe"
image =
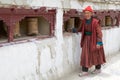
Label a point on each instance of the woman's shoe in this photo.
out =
(96, 71)
(83, 74)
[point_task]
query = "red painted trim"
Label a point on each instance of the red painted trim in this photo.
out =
(99, 14)
(71, 13)
(13, 15)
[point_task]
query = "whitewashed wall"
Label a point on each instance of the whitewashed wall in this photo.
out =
(50, 59)
(58, 4)
(111, 40)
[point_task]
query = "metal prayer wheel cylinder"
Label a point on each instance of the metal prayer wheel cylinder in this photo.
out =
(108, 21)
(17, 30)
(64, 27)
(71, 23)
(102, 22)
(32, 26)
(115, 22)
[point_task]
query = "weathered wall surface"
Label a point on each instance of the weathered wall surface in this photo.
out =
(48, 59)
(52, 58)
(76, 4)
(111, 40)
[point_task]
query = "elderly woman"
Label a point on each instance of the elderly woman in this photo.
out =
(91, 43)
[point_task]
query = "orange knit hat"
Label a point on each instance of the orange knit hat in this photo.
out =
(88, 8)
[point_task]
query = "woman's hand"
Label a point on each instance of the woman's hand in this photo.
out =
(98, 46)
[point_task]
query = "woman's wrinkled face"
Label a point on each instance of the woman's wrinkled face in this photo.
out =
(87, 14)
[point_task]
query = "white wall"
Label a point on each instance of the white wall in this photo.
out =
(58, 4)
(111, 40)
(48, 59)
(18, 62)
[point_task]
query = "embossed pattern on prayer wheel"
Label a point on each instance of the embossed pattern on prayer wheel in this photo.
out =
(108, 21)
(17, 30)
(32, 26)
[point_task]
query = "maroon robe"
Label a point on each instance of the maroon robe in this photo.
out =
(91, 55)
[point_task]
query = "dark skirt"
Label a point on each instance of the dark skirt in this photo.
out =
(90, 58)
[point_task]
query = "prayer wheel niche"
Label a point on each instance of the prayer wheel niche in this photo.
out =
(17, 30)
(32, 26)
(108, 21)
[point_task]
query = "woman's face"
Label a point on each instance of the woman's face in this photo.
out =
(87, 14)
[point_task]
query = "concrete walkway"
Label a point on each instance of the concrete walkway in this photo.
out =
(110, 71)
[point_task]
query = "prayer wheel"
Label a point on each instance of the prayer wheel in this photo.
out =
(32, 26)
(103, 22)
(71, 23)
(115, 22)
(17, 30)
(64, 27)
(108, 21)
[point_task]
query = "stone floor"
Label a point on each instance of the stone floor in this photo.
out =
(110, 71)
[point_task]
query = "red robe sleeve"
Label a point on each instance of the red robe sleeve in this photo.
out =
(99, 34)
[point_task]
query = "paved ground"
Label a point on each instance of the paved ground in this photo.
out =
(110, 71)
